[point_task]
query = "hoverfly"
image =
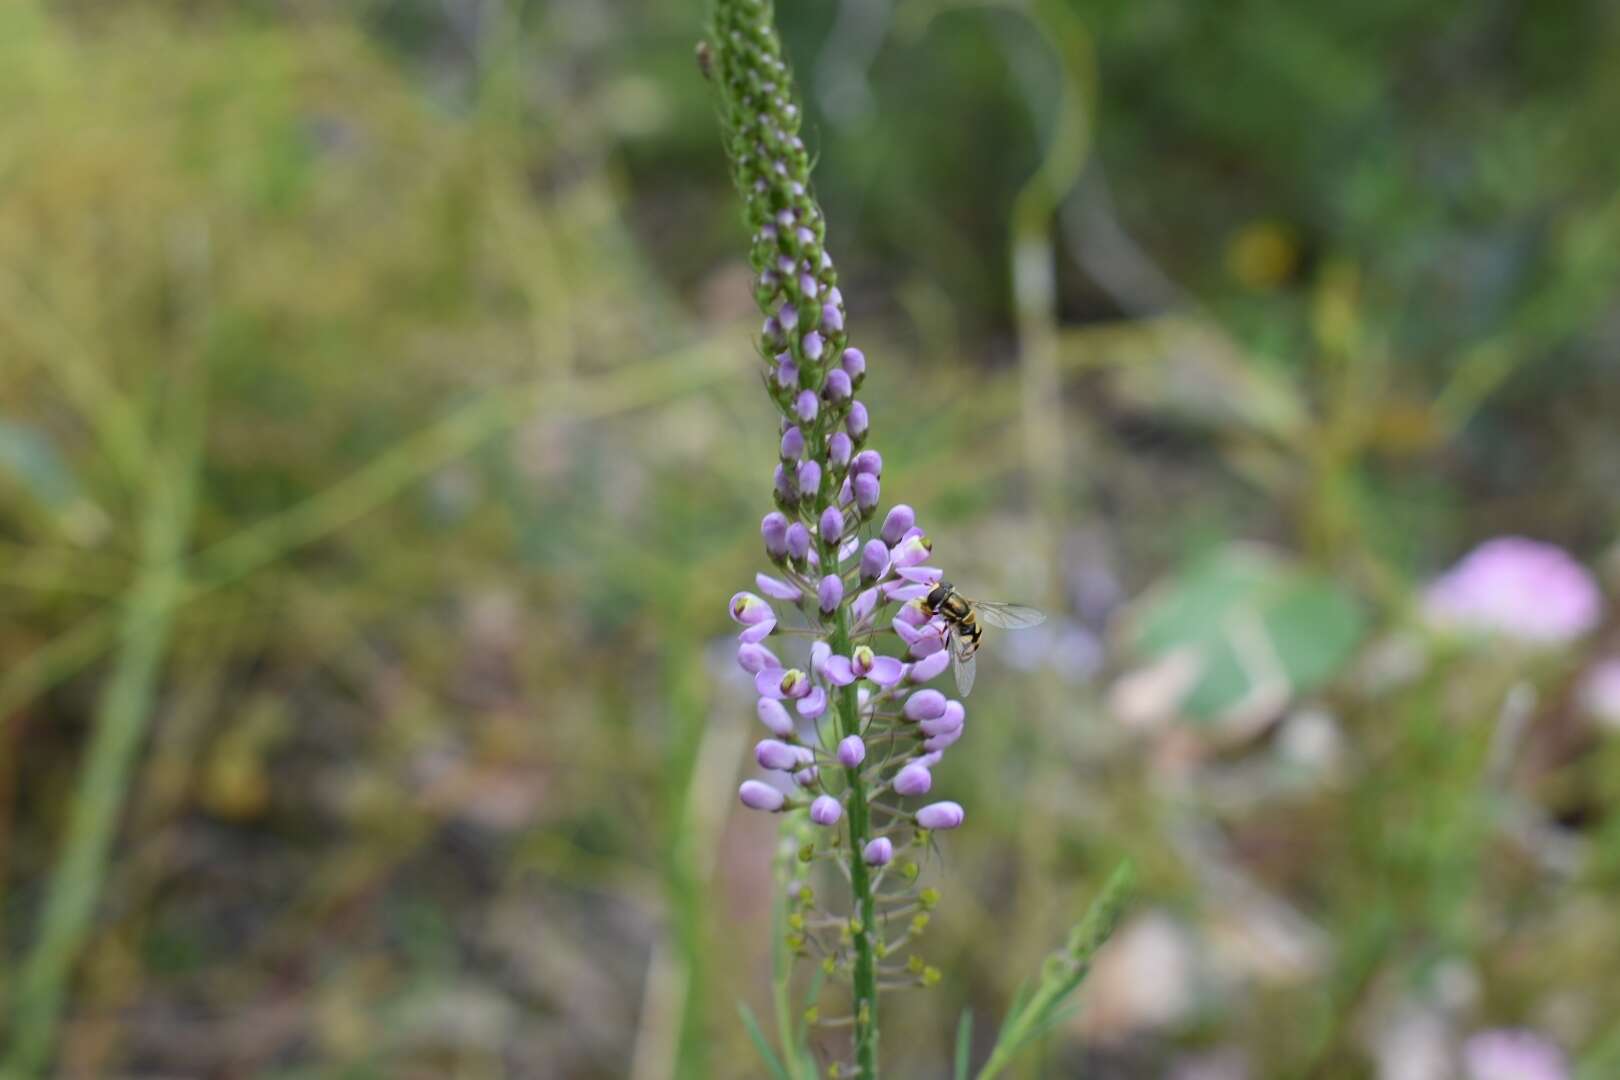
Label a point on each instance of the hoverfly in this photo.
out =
(962, 630)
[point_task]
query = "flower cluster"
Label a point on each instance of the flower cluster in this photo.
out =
(878, 592)
(853, 730)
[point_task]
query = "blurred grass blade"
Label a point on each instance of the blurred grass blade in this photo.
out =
(1063, 972)
(761, 1043)
(121, 723)
(374, 484)
(964, 1045)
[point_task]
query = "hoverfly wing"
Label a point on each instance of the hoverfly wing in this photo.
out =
(963, 665)
(1007, 616)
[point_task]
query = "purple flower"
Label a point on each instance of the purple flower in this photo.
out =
(1518, 588)
(901, 519)
(748, 609)
(925, 705)
(1509, 1054)
(902, 590)
(812, 345)
(838, 671)
(874, 560)
(865, 603)
(867, 664)
(839, 449)
(787, 370)
(830, 592)
(936, 743)
(798, 541)
(854, 363)
(807, 778)
(832, 319)
(930, 641)
(867, 461)
(914, 779)
(826, 810)
(756, 658)
(940, 815)
(866, 493)
(948, 722)
(837, 387)
(851, 751)
(856, 422)
(772, 754)
(910, 552)
(832, 524)
(760, 796)
(792, 683)
(782, 483)
(929, 667)
(776, 588)
(820, 653)
(878, 852)
(805, 406)
(809, 477)
(910, 624)
(792, 444)
(774, 529)
(773, 716)
(814, 704)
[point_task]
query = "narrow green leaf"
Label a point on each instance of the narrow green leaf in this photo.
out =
(1064, 971)
(761, 1044)
(964, 1044)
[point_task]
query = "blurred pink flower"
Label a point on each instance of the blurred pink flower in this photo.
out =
(1509, 1054)
(1519, 588)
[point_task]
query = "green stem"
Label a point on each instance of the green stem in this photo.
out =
(1064, 971)
(866, 1016)
(121, 722)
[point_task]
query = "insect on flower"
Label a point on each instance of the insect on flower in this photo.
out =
(963, 630)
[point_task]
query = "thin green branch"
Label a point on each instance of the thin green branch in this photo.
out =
(121, 722)
(1063, 972)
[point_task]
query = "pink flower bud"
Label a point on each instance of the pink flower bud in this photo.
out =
(940, 815)
(760, 796)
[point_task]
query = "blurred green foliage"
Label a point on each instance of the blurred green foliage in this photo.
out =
(435, 774)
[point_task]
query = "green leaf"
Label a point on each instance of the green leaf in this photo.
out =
(1254, 628)
(964, 1044)
(761, 1044)
(1063, 973)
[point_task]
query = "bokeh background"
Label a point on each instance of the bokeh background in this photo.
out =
(380, 443)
